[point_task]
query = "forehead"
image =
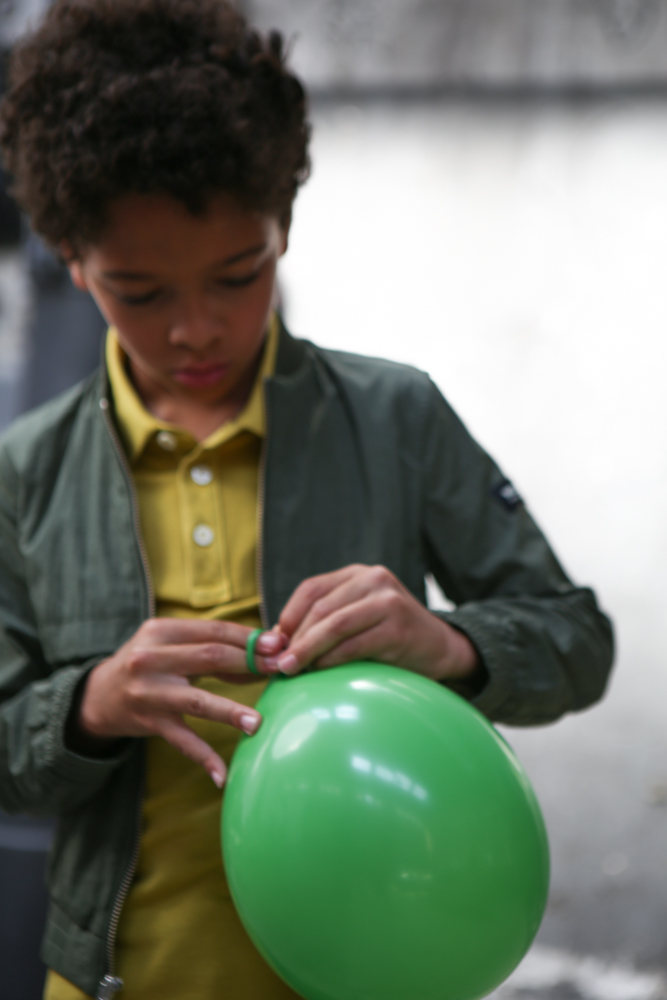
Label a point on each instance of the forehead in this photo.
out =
(157, 233)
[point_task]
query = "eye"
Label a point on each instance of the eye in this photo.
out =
(138, 300)
(241, 282)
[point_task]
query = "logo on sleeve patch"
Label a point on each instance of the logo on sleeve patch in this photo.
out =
(507, 495)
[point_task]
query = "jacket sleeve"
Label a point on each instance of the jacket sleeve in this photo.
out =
(546, 646)
(38, 774)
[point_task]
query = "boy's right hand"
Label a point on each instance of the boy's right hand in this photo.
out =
(144, 689)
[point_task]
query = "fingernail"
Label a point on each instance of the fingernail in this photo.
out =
(286, 663)
(271, 665)
(269, 642)
(250, 724)
(218, 779)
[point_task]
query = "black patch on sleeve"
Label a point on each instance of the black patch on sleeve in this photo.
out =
(507, 495)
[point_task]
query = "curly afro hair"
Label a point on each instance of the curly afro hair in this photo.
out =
(174, 97)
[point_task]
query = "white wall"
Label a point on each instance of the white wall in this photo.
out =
(519, 254)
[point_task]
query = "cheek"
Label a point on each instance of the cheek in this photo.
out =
(141, 338)
(116, 314)
(253, 308)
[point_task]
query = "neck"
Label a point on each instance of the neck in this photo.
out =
(201, 419)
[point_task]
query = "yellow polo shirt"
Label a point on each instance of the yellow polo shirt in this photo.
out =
(179, 935)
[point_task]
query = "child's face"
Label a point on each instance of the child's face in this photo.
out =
(190, 296)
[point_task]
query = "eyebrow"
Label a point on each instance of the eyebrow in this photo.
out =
(146, 276)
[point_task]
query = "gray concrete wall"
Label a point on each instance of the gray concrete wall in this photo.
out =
(506, 43)
(438, 43)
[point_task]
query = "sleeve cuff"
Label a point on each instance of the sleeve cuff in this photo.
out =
(490, 691)
(67, 764)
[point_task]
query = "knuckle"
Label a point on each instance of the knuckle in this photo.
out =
(312, 589)
(197, 702)
(320, 608)
(138, 660)
(210, 653)
(135, 695)
(340, 623)
(393, 601)
(151, 629)
(222, 631)
(381, 576)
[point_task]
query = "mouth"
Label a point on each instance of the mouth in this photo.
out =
(196, 376)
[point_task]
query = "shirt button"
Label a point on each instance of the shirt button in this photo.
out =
(167, 440)
(203, 535)
(202, 475)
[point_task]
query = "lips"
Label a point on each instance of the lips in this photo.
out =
(196, 376)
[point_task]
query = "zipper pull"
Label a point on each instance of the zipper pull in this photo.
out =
(109, 986)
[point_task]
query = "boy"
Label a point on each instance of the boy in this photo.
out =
(216, 476)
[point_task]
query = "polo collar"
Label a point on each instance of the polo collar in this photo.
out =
(138, 426)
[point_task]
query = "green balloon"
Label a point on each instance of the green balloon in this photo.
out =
(381, 840)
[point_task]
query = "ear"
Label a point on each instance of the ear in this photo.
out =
(284, 234)
(74, 267)
(76, 274)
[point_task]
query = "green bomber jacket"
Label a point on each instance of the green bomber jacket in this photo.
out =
(364, 462)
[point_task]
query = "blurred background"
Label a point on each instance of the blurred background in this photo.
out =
(489, 203)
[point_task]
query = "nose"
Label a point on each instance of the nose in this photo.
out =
(194, 324)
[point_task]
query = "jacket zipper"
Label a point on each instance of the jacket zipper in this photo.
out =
(259, 555)
(110, 984)
(104, 406)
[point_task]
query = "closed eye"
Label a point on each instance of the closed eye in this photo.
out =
(138, 300)
(242, 282)
(148, 297)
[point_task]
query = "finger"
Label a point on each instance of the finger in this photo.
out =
(367, 580)
(183, 699)
(148, 701)
(191, 631)
(189, 660)
(243, 680)
(271, 643)
(176, 732)
(307, 593)
(373, 644)
(325, 635)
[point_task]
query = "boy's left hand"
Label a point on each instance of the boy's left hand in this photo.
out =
(365, 612)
